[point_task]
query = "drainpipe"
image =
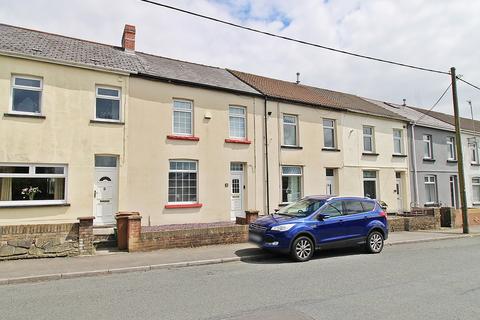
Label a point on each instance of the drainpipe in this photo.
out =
(266, 157)
(414, 163)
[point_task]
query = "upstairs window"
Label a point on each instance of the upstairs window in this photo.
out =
(427, 147)
(368, 141)
(329, 133)
(452, 154)
(27, 184)
(474, 153)
(182, 117)
(107, 105)
(237, 122)
(26, 95)
(290, 130)
(397, 141)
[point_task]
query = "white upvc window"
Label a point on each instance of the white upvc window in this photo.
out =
(32, 184)
(452, 153)
(290, 130)
(329, 135)
(427, 147)
(183, 182)
(183, 117)
(370, 184)
(368, 139)
(476, 190)
(107, 104)
(291, 183)
(474, 153)
(397, 141)
(431, 189)
(26, 95)
(237, 122)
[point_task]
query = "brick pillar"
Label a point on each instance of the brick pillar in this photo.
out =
(436, 216)
(134, 231)
(122, 228)
(85, 235)
(251, 216)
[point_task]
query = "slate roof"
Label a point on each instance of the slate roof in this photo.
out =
(167, 68)
(37, 44)
(299, 93)
(413, 115)
(465, 123)
(16, 40)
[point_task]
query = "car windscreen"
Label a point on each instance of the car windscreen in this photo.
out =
(302, 208)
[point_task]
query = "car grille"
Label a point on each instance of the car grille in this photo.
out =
(256, 228)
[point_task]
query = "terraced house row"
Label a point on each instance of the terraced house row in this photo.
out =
(93, 129)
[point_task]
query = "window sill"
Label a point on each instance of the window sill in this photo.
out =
(475, 164)
(183, 206)
(188, 138)
(284, 204)
(452, 161)
(331, 149)
(428, 160)
(107, 122)
(240, 141)
(35, 205)
(26, 115)
(291, 147)
(369, 154)
(398, 155)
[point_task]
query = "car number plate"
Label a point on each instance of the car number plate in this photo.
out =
(254, 237)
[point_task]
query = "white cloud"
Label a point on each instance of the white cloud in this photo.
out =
(437, 34)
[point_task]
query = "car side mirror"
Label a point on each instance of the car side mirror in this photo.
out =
(322, 217)
(276, 210)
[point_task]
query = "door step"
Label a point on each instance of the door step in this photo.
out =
(104, 237)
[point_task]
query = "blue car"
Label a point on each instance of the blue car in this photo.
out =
(318, 222)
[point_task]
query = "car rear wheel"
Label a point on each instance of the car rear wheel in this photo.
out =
(374, 242)
(302, 249)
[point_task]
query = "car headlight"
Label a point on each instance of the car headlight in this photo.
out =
(283, 227)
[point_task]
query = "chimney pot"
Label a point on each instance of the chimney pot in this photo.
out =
(128, 38)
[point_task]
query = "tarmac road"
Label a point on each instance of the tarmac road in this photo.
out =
(431, 280)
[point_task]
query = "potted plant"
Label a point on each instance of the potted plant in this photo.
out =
(30, 192)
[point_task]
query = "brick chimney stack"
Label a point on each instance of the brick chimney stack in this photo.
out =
(128, 38)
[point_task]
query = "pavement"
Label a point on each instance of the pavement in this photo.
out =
(113, 262)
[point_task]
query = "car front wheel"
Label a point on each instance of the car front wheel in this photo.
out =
(302, 249)
(375, 242)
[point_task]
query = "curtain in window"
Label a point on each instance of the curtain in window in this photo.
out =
(6, 189)
(58, 190)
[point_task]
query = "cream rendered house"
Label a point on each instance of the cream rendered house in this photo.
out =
(327, 142)
(93, 129)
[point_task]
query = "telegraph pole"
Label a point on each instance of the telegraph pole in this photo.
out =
(461, 175)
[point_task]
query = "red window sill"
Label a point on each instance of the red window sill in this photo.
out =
(183, 206)
(238, 141)
(189, 138)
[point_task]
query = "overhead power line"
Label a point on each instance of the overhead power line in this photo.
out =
(293, 39)
(470, 84)
(435, 104)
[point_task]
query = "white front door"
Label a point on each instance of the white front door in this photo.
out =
(105, 194)
(399, 192)
(236, 191)
(330, 187)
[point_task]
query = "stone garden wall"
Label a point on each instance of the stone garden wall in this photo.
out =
(46, 240)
